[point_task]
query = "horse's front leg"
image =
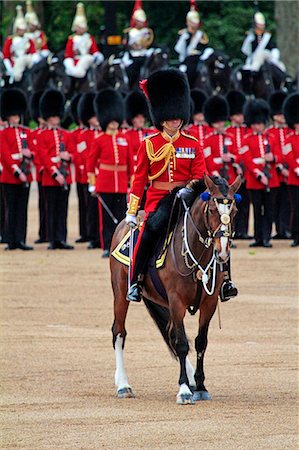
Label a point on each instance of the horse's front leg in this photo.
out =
(180, 343)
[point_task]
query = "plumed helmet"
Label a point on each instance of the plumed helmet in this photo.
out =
(168, 93)
(109, 106)
(216, 109)
(259, 18)
(135, 104)
(73, 109)
(193, 15)
(85, 107)
(34, 105)
(52, 104)
(20, 21)
(12, 103)
(256, 111)
(275, 101)
(199, 97)
(290, 109)
(31, 16)
(236, 100)
(80, 17)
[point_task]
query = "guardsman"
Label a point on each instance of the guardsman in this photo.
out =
(260, 159)
(3, 124)
(259, 46)
(291, 154)
(112, 156)
(279, 131)
(81, 48)
(55, 150)
(219, 147)
(198, 127)
(236, 100)
(36, 116)
(16, 160)
(35, 33)
(88, 205)
(192, 44)
(19, 50)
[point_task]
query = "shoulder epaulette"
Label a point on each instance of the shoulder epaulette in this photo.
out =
(151, 135)
(189, 136)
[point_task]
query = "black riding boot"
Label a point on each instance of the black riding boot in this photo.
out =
(228, 289)
(143, 254)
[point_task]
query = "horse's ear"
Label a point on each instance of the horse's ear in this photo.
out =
(235, 185)
(209, 183)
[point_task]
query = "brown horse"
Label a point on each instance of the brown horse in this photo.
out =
(199, 245)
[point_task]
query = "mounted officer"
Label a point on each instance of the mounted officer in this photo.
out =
(35, 33)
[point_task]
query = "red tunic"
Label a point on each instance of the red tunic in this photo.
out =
(199, 132)
(136, 137)
(49, 143)
(39, 39)
(35, 134)
(214, 146)
(10, 50)
(279, 135)
(84, 140)
(71, 50)
(13, 139)
(185, 164)
(291, 154)
(112, 157)
(253, 154)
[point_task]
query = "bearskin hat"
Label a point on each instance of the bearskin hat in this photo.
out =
(291, 109)
(135, 104)
(169, 95)
(74, 107)
(275, 101)
(52, 104)
(199, 97)
(34, 105)
(256, 111)
(109, 106)
(216, 109)
(13, 103)
(236, 100)
(85, 107)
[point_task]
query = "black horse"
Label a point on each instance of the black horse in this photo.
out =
(112, 73)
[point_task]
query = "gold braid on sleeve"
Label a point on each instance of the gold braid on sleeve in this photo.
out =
(165, 152)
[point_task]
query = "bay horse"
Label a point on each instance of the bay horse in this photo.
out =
(199, 245)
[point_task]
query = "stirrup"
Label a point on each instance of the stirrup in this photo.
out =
(228, 291)
(134, 294)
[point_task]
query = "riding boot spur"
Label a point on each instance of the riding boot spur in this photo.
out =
(228, 289)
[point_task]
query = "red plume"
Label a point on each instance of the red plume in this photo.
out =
(193, 5)
(143, 87)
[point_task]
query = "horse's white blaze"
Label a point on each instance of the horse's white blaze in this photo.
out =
(190, 372)
(121, 380)
(224, 209)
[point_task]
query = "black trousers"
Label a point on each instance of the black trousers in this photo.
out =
(263, 208)
(82, 192)
(242, 217)
(282, 210)
(117, 203)
(16, 203)
(42, 232)
(3, 218)
(57, 206)
(294, 191)
(93, 231)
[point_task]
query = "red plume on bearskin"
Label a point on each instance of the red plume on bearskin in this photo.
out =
(143, 87)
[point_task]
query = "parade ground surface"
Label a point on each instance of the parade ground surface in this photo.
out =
(57, 361)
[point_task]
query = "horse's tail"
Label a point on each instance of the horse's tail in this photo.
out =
(160, 315)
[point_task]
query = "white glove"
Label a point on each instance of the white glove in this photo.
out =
(296, 170)
(98, 57)
(91, 188)
(131, 220)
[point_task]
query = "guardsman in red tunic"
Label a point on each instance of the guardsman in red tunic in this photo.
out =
(291, 154)
(36, 116)
(236, 100)
(198, 128)
(81, 48)
(55, 149)
(279, 131)
(16, 159)
(3, 124)
(35, 33)
(18, 50)
(260, 159)
(112, 156)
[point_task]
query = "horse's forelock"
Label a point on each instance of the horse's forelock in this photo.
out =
(222, 184)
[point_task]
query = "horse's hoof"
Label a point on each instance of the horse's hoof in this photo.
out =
(185, 399)
(201, 395)
(125, 392)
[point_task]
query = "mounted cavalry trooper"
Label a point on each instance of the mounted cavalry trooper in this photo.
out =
(168, 159)
(16, 160)
(111, 158)
(19, 51)
(81, 49)
(291, 154)
(192, 44)
(260, 47)
(35, 33)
